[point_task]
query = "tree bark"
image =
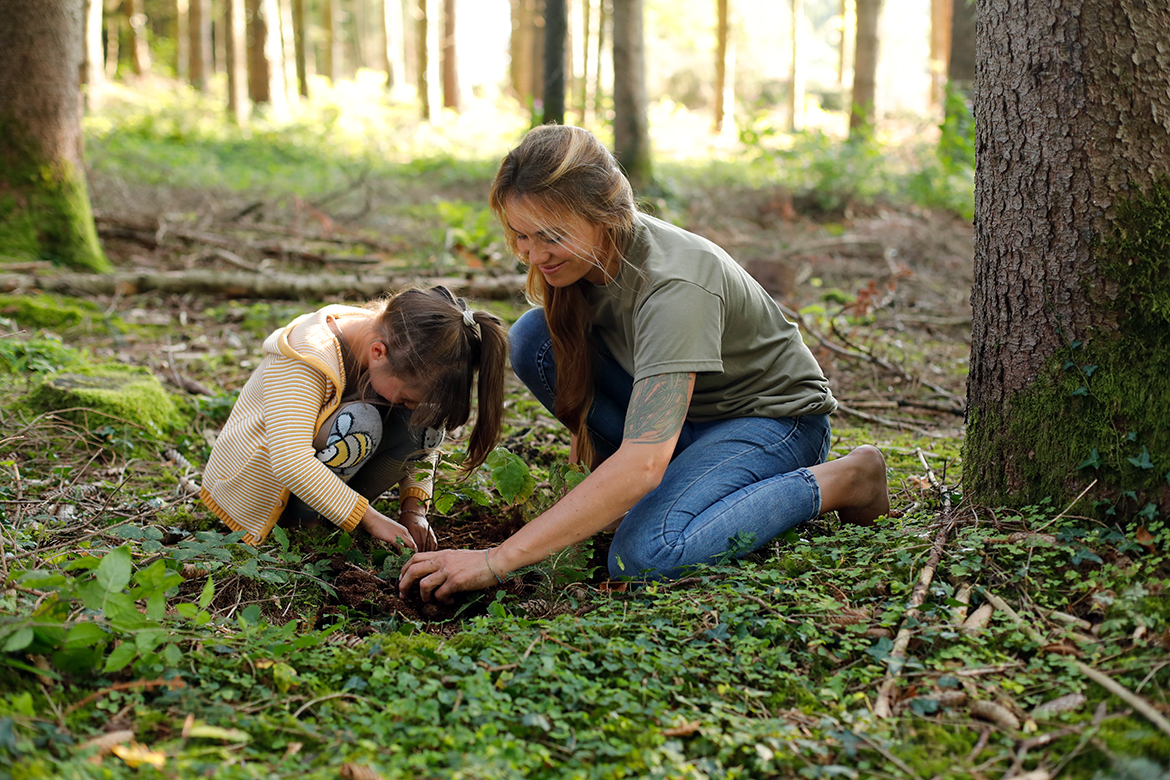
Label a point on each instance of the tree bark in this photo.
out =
(631, 122)
(865, 57)
(587, 38)
(235, 60)
(452, 98)
(941, 17)
(113, 10)
(1069, 373)
(429, 77)
(199, 47)
(331, 44)
(721, 33)
(45, 212)
(556, 30)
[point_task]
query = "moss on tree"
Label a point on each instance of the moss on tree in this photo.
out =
(1100, 409)
(45, 212)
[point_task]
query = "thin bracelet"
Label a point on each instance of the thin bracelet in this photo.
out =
(489, 563)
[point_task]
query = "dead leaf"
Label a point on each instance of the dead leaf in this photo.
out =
(136, 755)
(979, 618)
(1066, 703)
(684, 729)
(358, 772)
(997, 714)
(105, 743)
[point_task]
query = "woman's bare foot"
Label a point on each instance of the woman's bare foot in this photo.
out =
(855, 486)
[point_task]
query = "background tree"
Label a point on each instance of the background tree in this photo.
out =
(93, 70)
(796, 91)
(452, 97)
(631, 119)
(865, 59)
(199, 47)
(1069, 371)
(45, 212)
(722, 33)
(556, 31)
(139, 45)
(394, 34)
(331, 41)
(235, 59)
(961, 48)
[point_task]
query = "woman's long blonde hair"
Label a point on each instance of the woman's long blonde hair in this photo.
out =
(566, 172)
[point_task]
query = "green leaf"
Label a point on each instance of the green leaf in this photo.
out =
(85, 635)
(148, 639)
(1142, 461)
(113, 573)
(19, 639)
(1093, 461)
(121, 657)
(208, 593)
(511, 475)
(1080, 391)
(172, 654)
(281, 537)
(251, 614)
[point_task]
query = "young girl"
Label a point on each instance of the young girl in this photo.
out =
(347, 402)
(700, 409)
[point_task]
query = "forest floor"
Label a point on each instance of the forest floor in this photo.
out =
(781, 665)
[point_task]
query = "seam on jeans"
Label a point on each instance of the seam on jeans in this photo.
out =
(540, 369)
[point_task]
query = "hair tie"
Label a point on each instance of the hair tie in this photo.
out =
(469, 321)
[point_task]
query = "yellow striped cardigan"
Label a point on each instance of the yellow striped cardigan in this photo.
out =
(265, 450)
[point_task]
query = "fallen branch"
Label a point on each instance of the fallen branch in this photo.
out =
(256, 285)
(1099, 677)
(887, 422)
(882, 708)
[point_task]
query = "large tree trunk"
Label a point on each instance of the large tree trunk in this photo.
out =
(556, 31)
(199, 50)
(452, 97)
(44, 205)
(235, 59)
(865, 58)
(526, 48)
(631, 120)
(1069, 373)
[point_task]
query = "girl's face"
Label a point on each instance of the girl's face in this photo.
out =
(385, 384)
(563, 250)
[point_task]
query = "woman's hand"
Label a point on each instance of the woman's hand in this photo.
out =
(440, 575)
(381, 527)
(420, 530)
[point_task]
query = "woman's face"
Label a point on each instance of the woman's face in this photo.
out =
(564, 250)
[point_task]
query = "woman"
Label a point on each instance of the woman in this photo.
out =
(348, 402)
(699, 408)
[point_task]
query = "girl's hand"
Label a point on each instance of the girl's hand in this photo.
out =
(440, 575)
(381, 527)
(420, 530)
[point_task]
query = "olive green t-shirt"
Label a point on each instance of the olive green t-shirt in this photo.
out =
(681, 304)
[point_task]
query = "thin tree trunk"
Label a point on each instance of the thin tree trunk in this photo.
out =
(114, 9)
(182, 39)
(258, 78)
(865, 57)
(604, 22)
(331, 41)
(289, 73)
(631, 124)
(796, 93)
(451, 92)
(843, 43)
(940, 47)
(721, 33)
(1068, 383)
(586, 77)
(395, 43)
(140, 47)
(42, 175)
(93, 73)
(556, 27)
(961, 59)
(429, 76)
(235, 59)
(302, 57)
(199, 24)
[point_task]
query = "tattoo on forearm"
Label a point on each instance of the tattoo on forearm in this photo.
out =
(658, 407)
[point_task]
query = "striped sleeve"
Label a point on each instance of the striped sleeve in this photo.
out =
(292, 402)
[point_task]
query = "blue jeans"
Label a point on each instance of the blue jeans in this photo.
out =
(744, 477)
